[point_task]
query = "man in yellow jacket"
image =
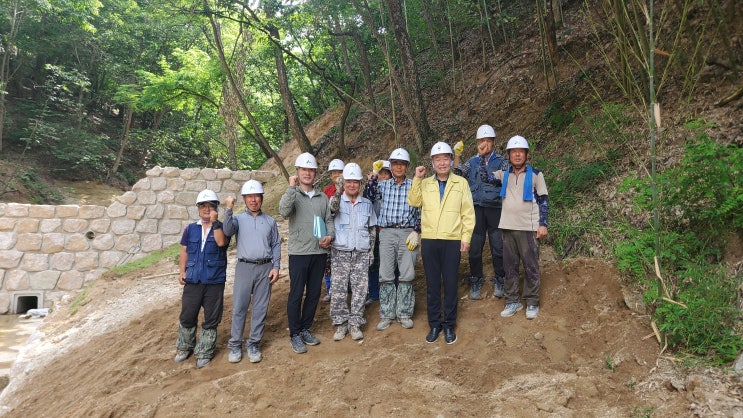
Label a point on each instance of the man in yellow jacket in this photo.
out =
(447, 222)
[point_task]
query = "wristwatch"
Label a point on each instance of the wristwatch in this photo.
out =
(216, 225)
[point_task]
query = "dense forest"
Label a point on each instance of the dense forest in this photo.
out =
(104, 90)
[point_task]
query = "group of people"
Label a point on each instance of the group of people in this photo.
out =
(367, 244)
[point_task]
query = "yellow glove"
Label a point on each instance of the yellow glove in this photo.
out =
(458, 148)
(412, 240)
(377, 166)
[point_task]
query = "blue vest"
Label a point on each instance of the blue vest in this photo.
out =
(208, 266)
(483, 194)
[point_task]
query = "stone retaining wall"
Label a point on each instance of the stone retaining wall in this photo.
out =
(49, 250)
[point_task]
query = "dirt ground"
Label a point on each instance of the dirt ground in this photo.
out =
(586, 354)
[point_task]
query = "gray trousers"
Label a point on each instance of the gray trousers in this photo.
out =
(251, 282)
(396, 302)
(518, 247)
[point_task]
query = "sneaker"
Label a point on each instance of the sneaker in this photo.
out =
(383, 324)
(532, 311)
(498, 287)
(511, 308)
(201, 362)
(356, 333)
(236, 354)
(475, 289)
(326, 299)
(182, 355)
(406, 323)
(308, 338)
(254, 353)
(298, 345)
(340, 332)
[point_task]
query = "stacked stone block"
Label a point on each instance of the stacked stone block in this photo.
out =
(55, 249)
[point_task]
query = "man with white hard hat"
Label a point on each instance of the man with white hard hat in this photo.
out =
(398, 243)
(447, 221)
(487, 209)
(310, 236)
(203, 272)
(257, 268)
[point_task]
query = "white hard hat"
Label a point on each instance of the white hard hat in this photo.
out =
(517, 142)
(485, 131)
(306, 160)
(440, 148)
(400, 155)
(352, 171)
(207, 196)
(386, 165)
(336, 165)
(252, 187)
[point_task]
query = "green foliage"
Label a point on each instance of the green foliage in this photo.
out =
(699, 203)
(81, 299)
(38, 192)
(704, 326)
(609, 363)
(642, 412)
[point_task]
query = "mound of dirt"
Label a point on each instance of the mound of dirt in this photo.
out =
(586, 354)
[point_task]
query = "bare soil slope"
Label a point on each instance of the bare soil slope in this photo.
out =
(586, 355)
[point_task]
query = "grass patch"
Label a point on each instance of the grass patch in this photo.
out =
(169, 252)
(80, 300)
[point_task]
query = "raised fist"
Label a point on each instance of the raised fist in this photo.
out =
(420, 171)
(458, 148)
(293, 180)
(229, 202)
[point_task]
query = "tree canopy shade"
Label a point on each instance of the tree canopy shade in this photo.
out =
(226, 83)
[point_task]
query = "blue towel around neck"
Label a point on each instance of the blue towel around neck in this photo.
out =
(528, 184)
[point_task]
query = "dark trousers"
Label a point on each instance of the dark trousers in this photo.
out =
(486, 222)
(521, 246)
(441, 263)
(305, 279)
(198, 295)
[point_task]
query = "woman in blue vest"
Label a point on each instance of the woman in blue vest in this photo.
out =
(203, 265)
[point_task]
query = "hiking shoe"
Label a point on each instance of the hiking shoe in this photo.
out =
(308, 338)
(340, 332)
(511, 308)
(326, 299)
(406, 323)
(532, 311)
(475, 290)
(298, 345)
(254, 353)
(236, 354)
(383, 324)
(356, 333)
(182, 355)
(201, 362)
(498, 287)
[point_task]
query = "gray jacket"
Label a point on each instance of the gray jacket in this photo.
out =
(300, 210)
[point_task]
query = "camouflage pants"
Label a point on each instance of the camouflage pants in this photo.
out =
(206, 345)
(349, 267)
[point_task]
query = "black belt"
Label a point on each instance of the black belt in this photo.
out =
(258, 262)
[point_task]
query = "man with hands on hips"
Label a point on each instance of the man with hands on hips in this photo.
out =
(303, 206)
(447, 222)
(257, 268)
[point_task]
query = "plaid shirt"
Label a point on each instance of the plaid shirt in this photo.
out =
(394, 210)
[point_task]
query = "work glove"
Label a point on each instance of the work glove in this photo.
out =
(377, 166)
(412, 241)
(458, 148)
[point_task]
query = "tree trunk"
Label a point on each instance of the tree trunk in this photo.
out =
(7, 45)
(286, 96)
(412, 89)
(124, 140)
(262, 141)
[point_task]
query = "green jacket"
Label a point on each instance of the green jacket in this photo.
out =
(300, 210)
